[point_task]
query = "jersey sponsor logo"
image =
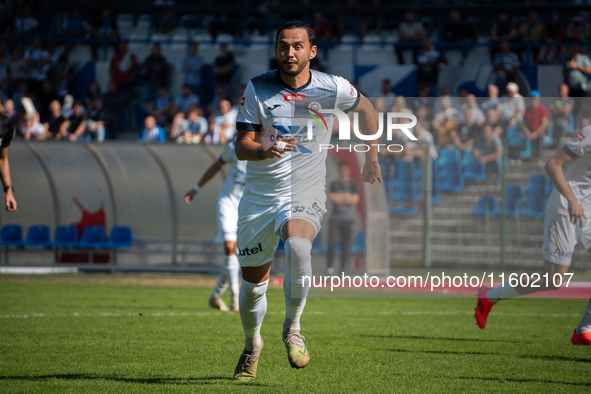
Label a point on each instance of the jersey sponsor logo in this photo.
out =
(294, 97)
(251, 251)
(580, 137)
(352, 92)
(242, 109)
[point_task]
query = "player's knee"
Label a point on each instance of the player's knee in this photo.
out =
(230, 248)
(251, 292)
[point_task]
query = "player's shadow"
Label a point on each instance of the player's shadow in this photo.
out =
(530, 356)
(441, 338)
(516, 380)
(201, 380)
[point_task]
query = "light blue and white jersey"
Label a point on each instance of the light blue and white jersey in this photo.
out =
(577, 173)
(274, 110)
(234, 185)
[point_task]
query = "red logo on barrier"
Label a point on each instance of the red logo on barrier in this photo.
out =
(294, 97)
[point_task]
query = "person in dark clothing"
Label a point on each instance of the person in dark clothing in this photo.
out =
(156, 69)
(6, 136)
(429, 64)
(56, 124)
(44, 98)
(114, 104)
(345, 196)
(223, 66)
(77, 127)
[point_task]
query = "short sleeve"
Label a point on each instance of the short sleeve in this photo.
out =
(347, 96)
(228, 153)
(580, 144)
(249, 118)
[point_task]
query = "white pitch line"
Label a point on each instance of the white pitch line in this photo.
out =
(318, 313)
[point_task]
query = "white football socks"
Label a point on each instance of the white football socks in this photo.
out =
(232, 271)
(299, 264)
(502, 292)
(585, 324)
(253, 306)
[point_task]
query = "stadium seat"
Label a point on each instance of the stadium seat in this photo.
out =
(359, 245)
(537, 184)
(371, 42)
(513, 200)
(535, 206)
(514, 140)
(451, 177)
(65, 237)
(11, 235)
(121, 237)
(317, 245)
(38, 236)
(486, 202)
(447, 155)
(475, 170)
(280, 247)
(548, 140)
(92, 237)
(400, 210)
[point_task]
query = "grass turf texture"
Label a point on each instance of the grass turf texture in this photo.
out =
(117, 337)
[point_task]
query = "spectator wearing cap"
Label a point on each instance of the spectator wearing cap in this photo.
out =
(560, 111)
(512, 108)
(535, 124)
(151, 131)
(505, 65)
(6, 136)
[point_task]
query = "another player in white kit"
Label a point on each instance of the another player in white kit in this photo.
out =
(227, 215)
(285, 193)
(565, 223)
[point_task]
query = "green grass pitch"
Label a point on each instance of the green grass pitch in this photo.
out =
(80, 335)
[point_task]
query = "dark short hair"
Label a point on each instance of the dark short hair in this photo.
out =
(298, 25)
(77, 103)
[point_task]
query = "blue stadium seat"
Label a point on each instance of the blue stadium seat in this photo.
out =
(281, 246)
(11, 235)
(475, 170)
(512, 139)
(535, 206)
(487, 202)
(451, 178)
(359, 245)
(121, 237)
(38, 236)
(400, 210)
(447, 155)
(65, 237)
(467, 157)
(92, 237)
(513, 200)
(537, 184)
(317, 245)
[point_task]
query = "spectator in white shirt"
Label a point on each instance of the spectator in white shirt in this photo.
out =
(410, 35)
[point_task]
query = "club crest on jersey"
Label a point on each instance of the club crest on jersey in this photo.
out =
(294, 97)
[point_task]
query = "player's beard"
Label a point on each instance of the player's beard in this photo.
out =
(293, 73)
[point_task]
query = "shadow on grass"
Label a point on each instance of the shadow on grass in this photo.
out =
(530, 356)
(441, 338)
(202, 380)
(515, 380)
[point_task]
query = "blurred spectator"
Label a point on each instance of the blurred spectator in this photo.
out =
(22, 91)
(493, 118)
(56, 125)
(446, 123)
(156, 69)
(488, 150)
(512, 108)
(385, 93)
(65, 75)
(456, 31)
(97, 118)
(17, 69)
(192, 69)
(44, 98)
(410, 36)
(92, 92)
(75, 25)
(190, 130)
(9, 109)
(224, 125)
(104, 28)
(68, 106)
(535, 125)
(32, 129)
(344, 195)
(502, 30)
(424, 140)
(124, 68)
(532, 31)
(493, 100)
(585, 122)
(471, 120)
(151, 131)
(26, 23)
(4, 74)
(576, 70)
(163, 107)
(114, 103)
(553, 33)
(223, 66)
(77, 123)
(560, 110)
(322, 27)
(186, 99)
(506, 65)
(6, 21)
(578, 27)
(38, 65)
(429, 64)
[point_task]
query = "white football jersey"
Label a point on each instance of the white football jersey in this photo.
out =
(234, 185)
(577, 173)
(274, 110)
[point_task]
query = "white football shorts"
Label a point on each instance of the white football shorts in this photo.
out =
(561, 236)
(227, 218)
(260, 226)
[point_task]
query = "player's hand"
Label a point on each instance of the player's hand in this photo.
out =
(575, 212)
(272, 152)
(189, 196)
(371, 172)
(10, 201)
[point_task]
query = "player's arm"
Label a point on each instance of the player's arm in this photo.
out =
(10, 201)
(209, 173)
(248, 149)
(554, 171)
(371, 169)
